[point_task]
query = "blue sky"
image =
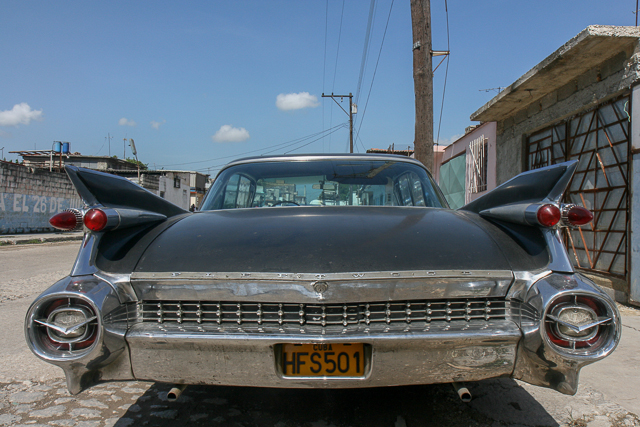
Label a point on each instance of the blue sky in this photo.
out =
(198, 83)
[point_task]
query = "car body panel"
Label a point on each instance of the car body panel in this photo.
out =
(334, 240)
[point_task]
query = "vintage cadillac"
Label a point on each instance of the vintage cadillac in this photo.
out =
(323, 271)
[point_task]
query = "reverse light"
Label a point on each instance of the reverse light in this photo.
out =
(95, 219)
(67, 220)
(548, 215)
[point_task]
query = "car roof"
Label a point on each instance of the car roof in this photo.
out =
(322, 156)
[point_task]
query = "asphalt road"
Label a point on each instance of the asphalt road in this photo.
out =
(33, 393)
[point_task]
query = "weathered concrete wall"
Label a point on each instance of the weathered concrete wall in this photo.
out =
(175, 188)
(611, 79)
(29, 197)
(634, 213)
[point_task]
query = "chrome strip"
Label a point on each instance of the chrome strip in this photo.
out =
(122, 285)
(86, 261)
(326, 288)
(311, 157)
(523, 282)
(559, 260)
(469, 275)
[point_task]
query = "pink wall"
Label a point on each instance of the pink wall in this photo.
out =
(486, 130)
(438, 153)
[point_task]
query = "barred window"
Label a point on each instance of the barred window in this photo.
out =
(477, 165)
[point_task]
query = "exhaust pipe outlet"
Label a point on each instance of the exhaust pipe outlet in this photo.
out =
(175, 392)
(463, 392)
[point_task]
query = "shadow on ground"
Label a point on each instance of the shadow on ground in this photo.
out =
(496, 402)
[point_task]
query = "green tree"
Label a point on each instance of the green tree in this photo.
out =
(143, 166)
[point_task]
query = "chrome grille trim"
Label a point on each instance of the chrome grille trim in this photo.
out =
(323, 315)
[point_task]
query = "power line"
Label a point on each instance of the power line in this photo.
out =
(364, 111)
(324, 66)
(311, 142)
(335, 68)
(446, 72)
(366, 48)
(280, 145)
(335, 129)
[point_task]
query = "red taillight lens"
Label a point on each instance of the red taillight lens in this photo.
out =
(95, 220)
(65, 220)
(548, 215)
(578, 216)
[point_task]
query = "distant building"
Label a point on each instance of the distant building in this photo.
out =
(409, 152)
(392, 150)
(182, 188)
(198, 187)
(47, 159)
(467, 168)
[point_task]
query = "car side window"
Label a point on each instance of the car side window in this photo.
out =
(238, 193)
(409, 191)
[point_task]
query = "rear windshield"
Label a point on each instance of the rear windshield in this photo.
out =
(323, 183)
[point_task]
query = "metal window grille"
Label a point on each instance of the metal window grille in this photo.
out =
(599, 140)
(477, 165)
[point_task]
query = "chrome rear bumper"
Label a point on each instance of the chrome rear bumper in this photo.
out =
(457, 351)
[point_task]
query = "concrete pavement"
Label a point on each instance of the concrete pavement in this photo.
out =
(618, 376)
(21, 239)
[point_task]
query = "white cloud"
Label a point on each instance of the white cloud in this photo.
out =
(228, 133)
(156, 125)
(296, 101)
(20, 114)
(126, 122)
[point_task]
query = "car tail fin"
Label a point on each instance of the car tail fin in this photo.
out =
(112, 191)
(544, 185)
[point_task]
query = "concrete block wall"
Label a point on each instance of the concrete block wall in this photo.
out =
(29, 197)
(611, 79)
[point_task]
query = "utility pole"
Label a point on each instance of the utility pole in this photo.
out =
(353, 109)
(423, 80)
(108, 137)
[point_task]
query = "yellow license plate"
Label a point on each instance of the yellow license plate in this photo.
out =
(323, 360)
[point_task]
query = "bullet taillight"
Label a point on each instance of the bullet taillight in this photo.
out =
(578, 216)
(66, 220)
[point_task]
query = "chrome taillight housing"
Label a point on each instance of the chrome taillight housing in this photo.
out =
(64, 326)
(578, 322)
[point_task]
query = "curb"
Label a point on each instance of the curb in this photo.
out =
(35, 239)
